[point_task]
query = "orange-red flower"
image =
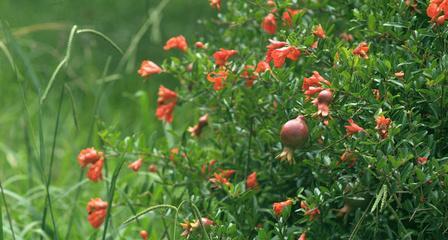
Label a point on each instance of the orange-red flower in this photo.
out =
(294, 54)
(189, 227)
(136, 165)
(262, 67)
(248, 75)
(178, 42)
(319, 31)
(95, 159)
(144, 234)
(279, 55)
(223, 55)
(433, 11)
(217, 77)
(288, 16)
(382, 125)
(95, 171)
(422, 160)
(165, 104)
(313, 84)
(196, 130)
(312, 213)
(269, 24)
(279, 206)
(438, 11)
(302, 236)
(227, 173)
(353, 128)
(251, 181)
(222, 177)
(273, 46)
(89, 156)
(215, 4)
(149, 68)
(97, 209)
(361, 50)
(218, 178)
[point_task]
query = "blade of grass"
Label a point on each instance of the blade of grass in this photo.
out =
(8, 215)
(66, 58)
(22, 56)
(148, 210)
(111, 191)
(129, 204)
(72, 101)
(42, 159)
(92, 31)
(29, 154)
(60, 65)
(26, 131)
(72, 214)
(361, 219)
(50, 26)
(50, 168)
(1, 223)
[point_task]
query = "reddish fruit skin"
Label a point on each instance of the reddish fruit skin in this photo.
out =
(294, 133)
(325, 96)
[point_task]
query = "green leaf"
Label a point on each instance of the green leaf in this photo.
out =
(371, 22)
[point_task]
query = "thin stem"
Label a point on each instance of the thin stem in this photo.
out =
(112, 192)
(60, 65)
(8, 215)
(50, 168)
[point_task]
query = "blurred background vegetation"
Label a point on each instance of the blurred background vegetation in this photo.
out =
(41, 30)
(35, 34)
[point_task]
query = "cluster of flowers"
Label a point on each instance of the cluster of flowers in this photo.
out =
(312, 213)
(96, 207)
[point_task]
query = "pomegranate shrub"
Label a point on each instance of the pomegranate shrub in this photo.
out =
(352, 94)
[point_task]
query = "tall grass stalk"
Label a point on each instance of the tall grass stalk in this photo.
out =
(8, 215)
(61, 64)
(111, 192)
(50, 168)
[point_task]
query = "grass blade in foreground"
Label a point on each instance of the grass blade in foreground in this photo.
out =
(7, 214)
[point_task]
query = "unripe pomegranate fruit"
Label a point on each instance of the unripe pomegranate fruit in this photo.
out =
(325, 96)
(293, 135)
(322, 101)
